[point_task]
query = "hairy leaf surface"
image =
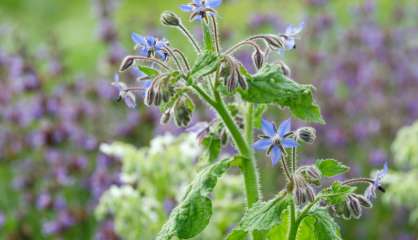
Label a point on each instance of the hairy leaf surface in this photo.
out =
(192, 215)
(269, 85)
(331, 167)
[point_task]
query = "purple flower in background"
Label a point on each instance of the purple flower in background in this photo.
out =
(275, 141)
(290, 36)
(150, 46)
(201, 8)
(370, 192)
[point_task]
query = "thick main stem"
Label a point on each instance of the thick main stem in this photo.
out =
(248, 164)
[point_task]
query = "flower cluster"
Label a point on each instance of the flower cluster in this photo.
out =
(216, 77)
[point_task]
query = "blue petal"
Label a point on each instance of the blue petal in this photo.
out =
(292, 31)
(197, 17)
(130, 100)
(138, 39)
(186, 8)
(147, 84)
(161, 44)
(262, 144)
(214, 3)
(197, 2)
(370, 192)
(276, 155)
(151, 41)
(143, 51)
(285, 127)
(268, 128)
(290, 43)
(289, 143)
(161, 55)
(380, 174)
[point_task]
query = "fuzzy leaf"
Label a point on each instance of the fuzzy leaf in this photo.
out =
(269, 85)
(207, 36)
(337, 193)
(259, 110)
(192, 215)
(206, 64)
(260, 217)
(281, 230)
(318, 225)
(148, 71)
(331, 167)
(213, 146)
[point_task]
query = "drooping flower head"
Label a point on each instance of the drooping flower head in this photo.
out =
(275, 140)
(201, 9)
(126, 93)
(370, 192)
(290, 36)
(150, 46)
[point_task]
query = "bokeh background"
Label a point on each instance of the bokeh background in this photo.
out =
(58, 58)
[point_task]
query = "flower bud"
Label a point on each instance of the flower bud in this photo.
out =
(310, 173)
(126, 63)
(274, 41)
(149, 97)
(165, 117)
(258, 59)
(183, 112)
(241, 80)
(285, 69)
(363, 201)
(302, 191)
(170, 19)
(353, 206)
(306, 134)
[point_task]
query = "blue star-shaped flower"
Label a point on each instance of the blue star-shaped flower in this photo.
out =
(370, 192)
(150, 46)
(275, 141)
(201, 8)
(290, 36)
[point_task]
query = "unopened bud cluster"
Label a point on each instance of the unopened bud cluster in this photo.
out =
(351, 207)
(231, 75)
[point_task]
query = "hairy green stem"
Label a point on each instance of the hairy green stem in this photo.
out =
(248, 163)
(293, 227)
(216, 34)
(293, 167)
(190, 37)
(248, 166)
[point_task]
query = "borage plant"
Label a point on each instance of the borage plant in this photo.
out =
(239, 98)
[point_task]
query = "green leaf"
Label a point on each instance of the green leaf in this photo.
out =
(207, 36)
(331, 167)
(192, 214)
(318, 225)
(269, 85)
(148, 71)
(337, 193)
(206, 64)
(212, 145)
(259, 110)
(280, 231)
(260, 217)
